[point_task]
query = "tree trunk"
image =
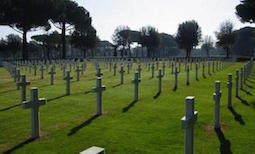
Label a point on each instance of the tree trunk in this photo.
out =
(63, 40)
(142, 53)
(208, 55)
(115, 52)
(84, 53)
(122, 51)
(227, 51)
(24, 47)
(149, 53)
(129, 50)
(188, 51)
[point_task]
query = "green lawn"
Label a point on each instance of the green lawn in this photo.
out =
(68, 124)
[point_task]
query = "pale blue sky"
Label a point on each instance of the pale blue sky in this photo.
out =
(165, 15)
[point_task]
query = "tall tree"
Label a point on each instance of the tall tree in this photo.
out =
(149, 38)
(121, 38)
(13, 44)
(207, 45)
(49, 41)
(225, 37)
(24, 16)
(68, 14)
(246, 11)
(188, 36)
(142, 38)
(85, 39)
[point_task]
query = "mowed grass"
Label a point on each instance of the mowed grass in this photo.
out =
(68, 124)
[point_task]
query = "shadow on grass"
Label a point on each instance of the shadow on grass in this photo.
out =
(8, 91)
(225, 145)
(116, 85)
(243, 101)
(157, 95)
(27, 141)
(82, 125)
(250, 81)
(87, 92)
(125, 109)
(10, 107)
(47, 85)
(249, 86)
(52, 99)
(253, 104)
(237, 116)
(175, 88)
(247, 92)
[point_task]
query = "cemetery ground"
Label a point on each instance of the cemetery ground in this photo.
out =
(69, 125)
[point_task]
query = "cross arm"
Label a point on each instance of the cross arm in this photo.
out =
(42, 101)
(187, 123)
(216, 95)
(26, 104)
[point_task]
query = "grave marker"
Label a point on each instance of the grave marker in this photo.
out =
(52, 72)
(187, 75)
(136, 82)
(237, 83)
(160, 76)
(114, 69)
(241, 80)
(78, 70)
(187, 123)
(98, 90)
(68, 78)
(42, 71)
(229, 84)
(34, 105)
(196, 72)
(23, 84)
(152, 71)
(122, 74)
(217, 96)
(176, 78)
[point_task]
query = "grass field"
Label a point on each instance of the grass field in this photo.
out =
(68, 124)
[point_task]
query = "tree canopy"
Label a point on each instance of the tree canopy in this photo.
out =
(188, 36)
(122, 38)
(68, 15)
(27, 15)
(225, 36)
(246, 11)
(85, 40)
(24, 16)
(149, 37)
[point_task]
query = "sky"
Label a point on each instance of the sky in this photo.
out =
(165, 15)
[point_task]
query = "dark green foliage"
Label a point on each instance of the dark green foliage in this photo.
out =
(149, 37)
(11, 45)
(122, 38)
(225, 37)
(245, 41)
(49, 42)
(85, 39)
(68, 15)
(246, 11)
(188, 36)
(25, 15)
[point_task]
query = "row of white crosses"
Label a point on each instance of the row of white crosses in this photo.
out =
(188, 121)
